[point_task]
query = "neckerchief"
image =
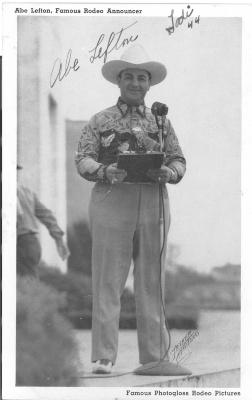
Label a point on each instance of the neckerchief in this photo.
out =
(127, 108)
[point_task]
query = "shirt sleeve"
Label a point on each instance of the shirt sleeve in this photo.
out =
(174, 158)
(47, 218)
(86, 157)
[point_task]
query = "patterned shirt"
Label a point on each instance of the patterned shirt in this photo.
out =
(29, 210)
(123, 128)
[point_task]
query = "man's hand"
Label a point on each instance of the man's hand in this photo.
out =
(161, 175)
(62, 249)
(114, 174)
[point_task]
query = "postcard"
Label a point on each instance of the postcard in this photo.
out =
(117, 287)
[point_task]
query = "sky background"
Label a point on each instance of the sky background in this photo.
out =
(203, 93)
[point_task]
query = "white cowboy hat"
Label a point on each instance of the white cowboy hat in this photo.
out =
(134, 57)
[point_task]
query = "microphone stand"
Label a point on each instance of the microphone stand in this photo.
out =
(163, 367)
(160, 130)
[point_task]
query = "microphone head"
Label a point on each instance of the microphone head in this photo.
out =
(159, 109)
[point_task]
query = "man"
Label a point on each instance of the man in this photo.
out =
(125, 218)
(29, 210)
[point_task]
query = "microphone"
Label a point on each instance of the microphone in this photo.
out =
(159, 109)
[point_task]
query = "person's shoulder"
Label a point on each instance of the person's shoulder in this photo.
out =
(107, 111)
(24, 191)
(104, 115)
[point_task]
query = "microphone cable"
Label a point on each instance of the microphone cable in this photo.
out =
(162, 298)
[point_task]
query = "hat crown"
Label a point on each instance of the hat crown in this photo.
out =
(135, 54)
(134, 57)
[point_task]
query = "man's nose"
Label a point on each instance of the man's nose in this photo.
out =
(134, 81)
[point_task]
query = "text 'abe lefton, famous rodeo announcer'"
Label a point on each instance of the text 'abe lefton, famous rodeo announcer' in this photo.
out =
(125, 216)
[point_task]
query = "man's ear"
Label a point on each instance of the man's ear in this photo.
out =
(118, 80)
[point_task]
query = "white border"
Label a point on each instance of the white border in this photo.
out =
(9, 204)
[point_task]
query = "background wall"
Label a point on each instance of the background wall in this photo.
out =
(41, 124)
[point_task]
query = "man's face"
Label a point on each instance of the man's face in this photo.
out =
(133, 84)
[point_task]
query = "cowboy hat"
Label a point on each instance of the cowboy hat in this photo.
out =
(134, 57)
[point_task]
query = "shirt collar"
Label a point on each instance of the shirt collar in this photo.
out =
(127, 108)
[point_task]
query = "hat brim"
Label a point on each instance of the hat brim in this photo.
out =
(111, 70)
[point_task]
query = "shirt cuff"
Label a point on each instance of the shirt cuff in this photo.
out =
(88, 165)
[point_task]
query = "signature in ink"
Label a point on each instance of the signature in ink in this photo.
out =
(115, 41)
(177, 353)
(176, 22)
(59, 72)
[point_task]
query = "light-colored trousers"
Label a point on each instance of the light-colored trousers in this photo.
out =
(125, 224)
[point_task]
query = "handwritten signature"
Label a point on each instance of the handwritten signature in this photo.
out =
(180, 348)
(176, 22)
(114, 42)
(59, 72)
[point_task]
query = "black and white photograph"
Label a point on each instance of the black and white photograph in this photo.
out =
(124, 133)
